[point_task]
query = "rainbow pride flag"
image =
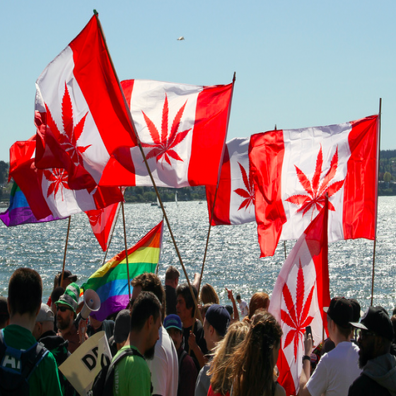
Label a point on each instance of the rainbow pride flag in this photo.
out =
(111, 280)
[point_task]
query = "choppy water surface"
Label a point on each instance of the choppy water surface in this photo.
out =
(232, 259)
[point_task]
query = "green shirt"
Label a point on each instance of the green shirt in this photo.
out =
(45, 379)
(131, 376)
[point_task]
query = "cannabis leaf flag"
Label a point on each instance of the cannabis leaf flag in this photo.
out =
(235, 194)
(300, 293)
(182, 129)
(294, 169)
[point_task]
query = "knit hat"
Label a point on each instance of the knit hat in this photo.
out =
(340, 311)
(173, 321)
(218, 317)
(70, 297)
(45, 314)
(122, 326)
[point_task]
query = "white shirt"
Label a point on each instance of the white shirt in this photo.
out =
(335, 371)
(243, 307)
(165, 366)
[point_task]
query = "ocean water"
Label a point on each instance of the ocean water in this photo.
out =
(232, 260)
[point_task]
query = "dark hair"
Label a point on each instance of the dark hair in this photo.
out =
(238, 297)
(146, 305)
(150, 282)
(172, 273)
(56, 293)
(25, 291)
(184, 291)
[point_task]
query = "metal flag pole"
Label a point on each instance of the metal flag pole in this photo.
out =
(376, 211)
(64, 255)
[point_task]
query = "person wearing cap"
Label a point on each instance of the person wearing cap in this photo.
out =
(4, 315)
(187, 371)
(171, 281)
(379, 366)
(338, 368)
(68, 278)
(216, 322)
(66, 311)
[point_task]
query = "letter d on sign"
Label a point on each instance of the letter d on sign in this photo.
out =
(89, 361)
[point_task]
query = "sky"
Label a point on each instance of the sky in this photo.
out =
(298, 64)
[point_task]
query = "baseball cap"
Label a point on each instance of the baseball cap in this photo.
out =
(376, 320)
(67, 275)
(340, 311)
(219, 318)
(356, 310)
(45, 314)
(122, 326)
(70, 297)
(173, 321)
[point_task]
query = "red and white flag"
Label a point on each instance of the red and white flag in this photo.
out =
(293, 170)
(80, 110)
(300, 293)
(182, 129)
(235, 194)
(47, 190)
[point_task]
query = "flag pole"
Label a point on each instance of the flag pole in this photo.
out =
(326, 248)
(376, 212)
(64, 255)
(111, 237)
(147, 166)
(217, 186)
(126, 251)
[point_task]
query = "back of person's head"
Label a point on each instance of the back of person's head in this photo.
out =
(184, 291)
(151, 283)
(208, 295)
(122, 326)
(4, 315)
(56, 293)
(145, 305)
(218, 317)
(341, 313)
(24, 292)
(238, 297)
(258, 300)
(393, 320)
(254, 358)
(172, 273)
(220, 369)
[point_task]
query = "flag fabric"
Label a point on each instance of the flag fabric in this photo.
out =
(292, 171)
(235, 194)
(80, 111)
(47, 190)
(111, 281)
(102, 222)
(300, 293)
(19, 211)
(182, 129)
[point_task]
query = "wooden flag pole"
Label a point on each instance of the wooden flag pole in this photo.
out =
(126, 251)
(148, 168)
(376, 214)
(217, 187)
(64, 255)
(284, 247)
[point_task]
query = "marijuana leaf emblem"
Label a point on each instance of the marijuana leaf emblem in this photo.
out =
(248, 194)
(164, 143)
(72, 133)
(58, 179)
(95, 217)
(316, 191)
(297, 316)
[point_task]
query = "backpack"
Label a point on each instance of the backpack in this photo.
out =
(103, 383)
(13, 382)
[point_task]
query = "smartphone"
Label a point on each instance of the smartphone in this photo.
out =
(308, 330)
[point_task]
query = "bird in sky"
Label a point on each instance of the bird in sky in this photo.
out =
(180, 38)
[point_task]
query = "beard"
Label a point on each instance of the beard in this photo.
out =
(366, 354)
(63, 323)
(149, 354)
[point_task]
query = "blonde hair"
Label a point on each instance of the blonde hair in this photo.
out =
(208, 295)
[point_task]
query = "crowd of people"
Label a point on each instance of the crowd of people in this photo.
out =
(173, 341)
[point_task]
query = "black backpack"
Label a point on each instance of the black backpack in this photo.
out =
(103, 383)
(14, 382)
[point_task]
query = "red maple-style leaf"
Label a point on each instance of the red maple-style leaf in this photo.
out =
(68, 139)
(316, 191)
(297, 316)
(163, 144)
(58, 179)
(248, 194)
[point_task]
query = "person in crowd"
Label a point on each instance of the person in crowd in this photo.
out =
(379, 366)
(122, 327)
(216, 323)
(132, 374)
(4, 315)
(208, 295)
(68, 278)
(193, 337)
(253, 362)
(393, 344)
(66, 308)
(56, 293)
(187, 370)
(337, 369)
(44, 332)
(259, 300)
(171, 281)
(220, 368)
(243, 306)
(96, 325)
(234, 314)
(203, 309)
(24, 302)
(164, 366)
(355, 317)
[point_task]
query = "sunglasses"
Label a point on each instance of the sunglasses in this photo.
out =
(62, 309)
(365, 333)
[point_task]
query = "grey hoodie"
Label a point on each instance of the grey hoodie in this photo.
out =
(382, 370)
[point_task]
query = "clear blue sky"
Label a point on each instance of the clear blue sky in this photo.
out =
(298, 63)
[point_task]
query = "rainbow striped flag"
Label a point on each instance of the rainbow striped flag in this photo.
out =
(111, 280)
